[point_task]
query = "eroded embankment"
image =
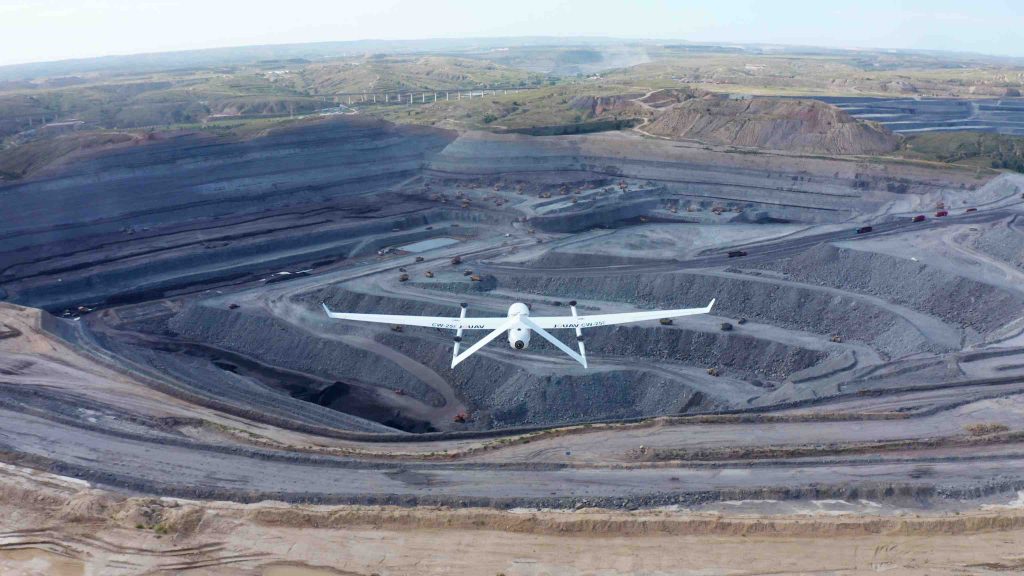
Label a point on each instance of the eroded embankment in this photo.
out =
(196, 175)
(497, 392)
(793, 188)
(761, 299)
(138, 222)
(639, 524)
(540, 392)
(88, 529)
(1004, 241)
(958, 300)
(324, 359)
(493, 387)
(747, 355)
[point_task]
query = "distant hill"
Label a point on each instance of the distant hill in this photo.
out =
(290, 54)
(772, 123)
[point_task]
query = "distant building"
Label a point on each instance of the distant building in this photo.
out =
(60, 127)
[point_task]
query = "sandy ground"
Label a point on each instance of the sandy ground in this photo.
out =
(58, 527)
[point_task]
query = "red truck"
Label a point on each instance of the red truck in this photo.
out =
(941, 213)
(918, 218)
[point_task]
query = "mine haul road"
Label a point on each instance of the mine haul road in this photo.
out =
(920, 457)
(764, 252)
(216, 472)
(882, 367)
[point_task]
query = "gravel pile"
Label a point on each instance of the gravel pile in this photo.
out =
(957, 300)
(280, 344)
(788, 306)
(1003, 241)
(248, 398)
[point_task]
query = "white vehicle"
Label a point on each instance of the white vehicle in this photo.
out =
(519, 325)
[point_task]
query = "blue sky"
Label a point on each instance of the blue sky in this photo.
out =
(38, 30)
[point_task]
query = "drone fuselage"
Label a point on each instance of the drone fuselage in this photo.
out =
(518, 336)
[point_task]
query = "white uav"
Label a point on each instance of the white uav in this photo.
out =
(519, 325)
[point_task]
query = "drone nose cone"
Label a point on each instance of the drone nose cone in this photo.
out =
(519, 345)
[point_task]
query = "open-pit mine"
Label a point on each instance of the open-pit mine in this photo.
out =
(166, 367)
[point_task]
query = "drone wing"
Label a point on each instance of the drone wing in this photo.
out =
(553, 322)
(445, 322)
(495, 325)
(538, 324)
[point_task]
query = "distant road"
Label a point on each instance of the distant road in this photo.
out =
(757, 253)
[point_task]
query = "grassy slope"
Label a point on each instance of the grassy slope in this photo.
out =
(821, 75)
(240, 100)
(425, 73)
(187, 96)
(235, 101)
(543, 106)
(20, 161)
(979, 149)
(162, 99)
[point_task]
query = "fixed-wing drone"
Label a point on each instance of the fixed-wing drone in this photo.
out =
(519, 324)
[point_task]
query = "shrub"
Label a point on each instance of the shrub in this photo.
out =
(985, 428)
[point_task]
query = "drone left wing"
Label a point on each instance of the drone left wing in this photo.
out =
(445, 322)
(553, 322)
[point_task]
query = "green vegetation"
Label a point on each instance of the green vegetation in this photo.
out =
(979, 149)
(149, 101)
(576, 128)
(113, 108)
(394, 73)
(986, 428)
(559, 105)
(826, 74)
(18, 161)
(232, 99)
(170, 99)
(285, 88)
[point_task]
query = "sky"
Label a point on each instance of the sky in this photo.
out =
(42, 30)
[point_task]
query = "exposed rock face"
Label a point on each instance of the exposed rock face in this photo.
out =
(903, 87)
(635, 104)
(917, 285)
(777, 304)
(668, 97)
(599, 105)
(772, 123)
(767, 186)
